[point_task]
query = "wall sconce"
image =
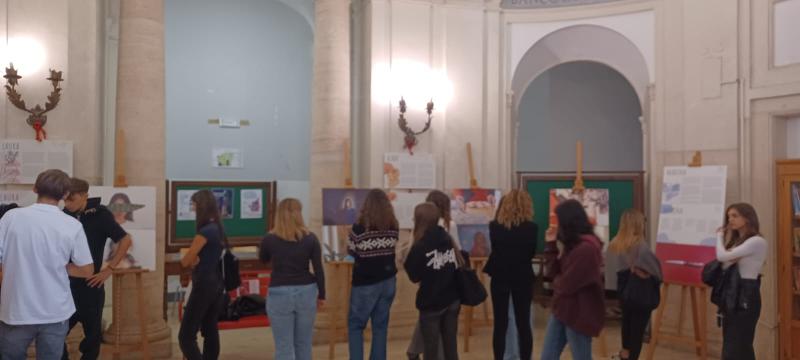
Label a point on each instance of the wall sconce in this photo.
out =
(410, 139)
(37, 118)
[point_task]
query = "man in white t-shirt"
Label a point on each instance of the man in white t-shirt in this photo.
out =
(40, 247)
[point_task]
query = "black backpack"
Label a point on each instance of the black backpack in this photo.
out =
(230, 270)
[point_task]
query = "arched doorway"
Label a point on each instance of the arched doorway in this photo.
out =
(579, 100)
(581, 59)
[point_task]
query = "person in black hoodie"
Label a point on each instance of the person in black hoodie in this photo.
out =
(432, 262)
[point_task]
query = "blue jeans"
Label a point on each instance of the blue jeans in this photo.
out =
(15, 339)
(291, 311)
(370, 302)
(556, 338)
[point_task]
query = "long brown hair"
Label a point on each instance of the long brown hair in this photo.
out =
(631, 232)
(377, 213)
(426, 216)
(515, 208)
(207, 212)
(442, 202)
(734, 238)
(289, 224)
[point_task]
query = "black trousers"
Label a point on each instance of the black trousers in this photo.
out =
(634, 325)
(201, 313)
(739, 330)
(440, 327)
(89, 304)
(521, 293)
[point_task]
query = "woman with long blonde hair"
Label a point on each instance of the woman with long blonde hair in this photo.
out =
(294, 292)
(513, 237)
(628, 255)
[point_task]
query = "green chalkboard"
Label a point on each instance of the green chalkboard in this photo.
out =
(625, 190)
(240, 231)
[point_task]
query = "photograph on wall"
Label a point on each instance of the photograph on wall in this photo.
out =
(404, 204)
(133, 207)
(595, 202)
(404, 171)
(252, 203)
(227, 158)
(23, 160)
(224, 197)
(474, 206)
(341, 206)
(184, 205)
(20, 197)
(475, 240)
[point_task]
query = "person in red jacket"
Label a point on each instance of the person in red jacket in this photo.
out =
(578, 307)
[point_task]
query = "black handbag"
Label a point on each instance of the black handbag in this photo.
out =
(470, 290)
(642, 293)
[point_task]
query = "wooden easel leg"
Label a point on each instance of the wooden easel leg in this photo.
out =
(703, 324)
(682, 310)
(142, 317)
(696, 323)
(116, 289)
(656, 329)
(603, 345)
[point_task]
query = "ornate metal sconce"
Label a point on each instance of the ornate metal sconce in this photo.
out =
(410, 140)
(37, 118)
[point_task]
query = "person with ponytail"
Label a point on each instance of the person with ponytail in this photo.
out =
(206, 298)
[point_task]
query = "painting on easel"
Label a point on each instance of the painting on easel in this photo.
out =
(595, 202)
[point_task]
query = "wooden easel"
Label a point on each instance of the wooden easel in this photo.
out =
(475, 263)
(337, 310)
(698, 295)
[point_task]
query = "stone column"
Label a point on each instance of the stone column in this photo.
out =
(330, 112)
(330, 130)
(140, 114)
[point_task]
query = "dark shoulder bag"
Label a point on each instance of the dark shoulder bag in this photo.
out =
(229, 263)
(470, 289)
(640, 293)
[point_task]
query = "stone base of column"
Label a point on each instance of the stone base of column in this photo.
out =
(126, 326)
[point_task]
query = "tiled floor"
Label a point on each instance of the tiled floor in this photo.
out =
(257, 344)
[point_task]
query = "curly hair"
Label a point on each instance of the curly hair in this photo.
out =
(515, 208)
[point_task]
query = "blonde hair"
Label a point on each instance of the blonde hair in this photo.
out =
(515, 208)
(289, 223)
(631, 232)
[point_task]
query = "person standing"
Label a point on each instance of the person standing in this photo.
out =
(630, 255)
(89, 294)
(372, 244)
(294, 293)
(207, 296)
(739, 243)
(442, 203)
(40, 247)
(514, 240)
(432, 262)
(578, 309)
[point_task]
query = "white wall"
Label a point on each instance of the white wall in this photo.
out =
(786, 29)
(793, 138)
(243, 59)
(67, 34)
